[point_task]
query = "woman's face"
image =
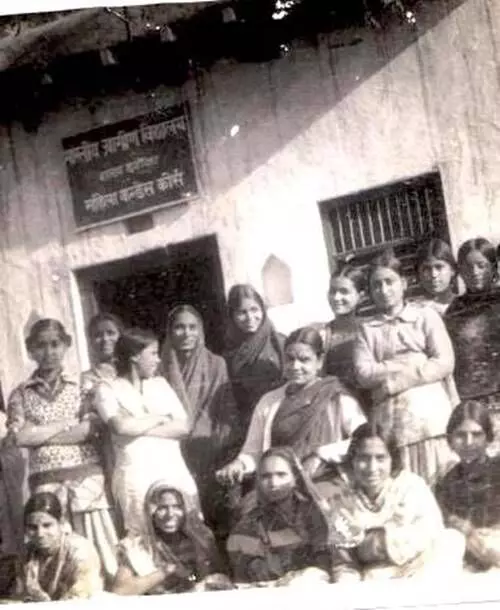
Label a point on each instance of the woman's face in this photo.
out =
(48, 350)
(436, 276)
(387, 289)
(42, 532)
(302, 364)
(343, 296)
(146, 362)
(276, 478)
(248, 317)
(185, 332)
(169, 514)
(469, 441)
(477, 272)
(371, 465)
(104, 339)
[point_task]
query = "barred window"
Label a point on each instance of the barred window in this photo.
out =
(403, 215)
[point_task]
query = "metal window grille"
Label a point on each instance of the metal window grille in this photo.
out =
(402, 215)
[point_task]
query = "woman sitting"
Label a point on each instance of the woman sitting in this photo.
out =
(385, 521)
(177, 554)
(469, 494)
(313, 415)
(283, 538)
(56, 564)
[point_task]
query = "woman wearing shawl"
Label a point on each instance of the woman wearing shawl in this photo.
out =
(177, 554)
(254, 350)
(314, 415)
(57, 564)
(385, 521)
(201, 382)
(283, 538)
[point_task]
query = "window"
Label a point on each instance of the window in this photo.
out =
(403, 215)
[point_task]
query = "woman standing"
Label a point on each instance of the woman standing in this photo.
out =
(57, 565)
(201, 382)
(314, 415)
(147, 422)
(437, 271)
(347, 286)
(254, 350)
(473, 322)
(177, 554)
(386, 522)
(469, 494)
(405, 357)
(103, 332)
(46, 415)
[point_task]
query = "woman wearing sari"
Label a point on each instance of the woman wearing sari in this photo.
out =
(56, 564)
(473, 323)
(176, 554)
(315, 416)
(283, 538)
(201, 382)
(385, 520)
(254, 350)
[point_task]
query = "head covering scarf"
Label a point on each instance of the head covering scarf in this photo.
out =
(196, 383)
(258, 535)
(207, 558)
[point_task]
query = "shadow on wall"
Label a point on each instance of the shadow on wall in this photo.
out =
(248, 112)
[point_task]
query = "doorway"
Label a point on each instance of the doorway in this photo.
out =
(143, 288)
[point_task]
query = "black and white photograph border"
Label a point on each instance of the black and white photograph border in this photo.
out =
(251, 302)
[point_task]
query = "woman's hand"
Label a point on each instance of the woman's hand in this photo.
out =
(232, 473)
(311, 464)
(33, 589)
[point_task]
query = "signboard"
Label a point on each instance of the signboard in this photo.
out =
(127, 168)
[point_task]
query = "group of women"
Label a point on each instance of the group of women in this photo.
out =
(349, 450)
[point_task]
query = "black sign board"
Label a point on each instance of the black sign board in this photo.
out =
(127, 168)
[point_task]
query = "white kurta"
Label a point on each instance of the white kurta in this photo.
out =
(143, 460)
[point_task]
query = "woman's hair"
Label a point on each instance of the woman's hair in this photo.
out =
(103, 317)
(471, 409)
(435, 248)
(131, 342)
(238, 293)
(478, 244)
(352, 272)
(309, 336)
(385, 260)
(159, 490)
(43, 325)
(43, 502)
(177, 310)
(374, 430)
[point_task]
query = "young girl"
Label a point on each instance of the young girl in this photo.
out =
(46, 415)
(405, 357)
(346, 287)
(437, 270)
(473, 322)
(469, 494)
(147, 421)
(254, 350)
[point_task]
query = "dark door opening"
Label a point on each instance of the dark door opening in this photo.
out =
(143, 288)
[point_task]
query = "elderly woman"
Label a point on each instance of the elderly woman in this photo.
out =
(283, 538)
(177, 554)
(56, 564)
(386, 522)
